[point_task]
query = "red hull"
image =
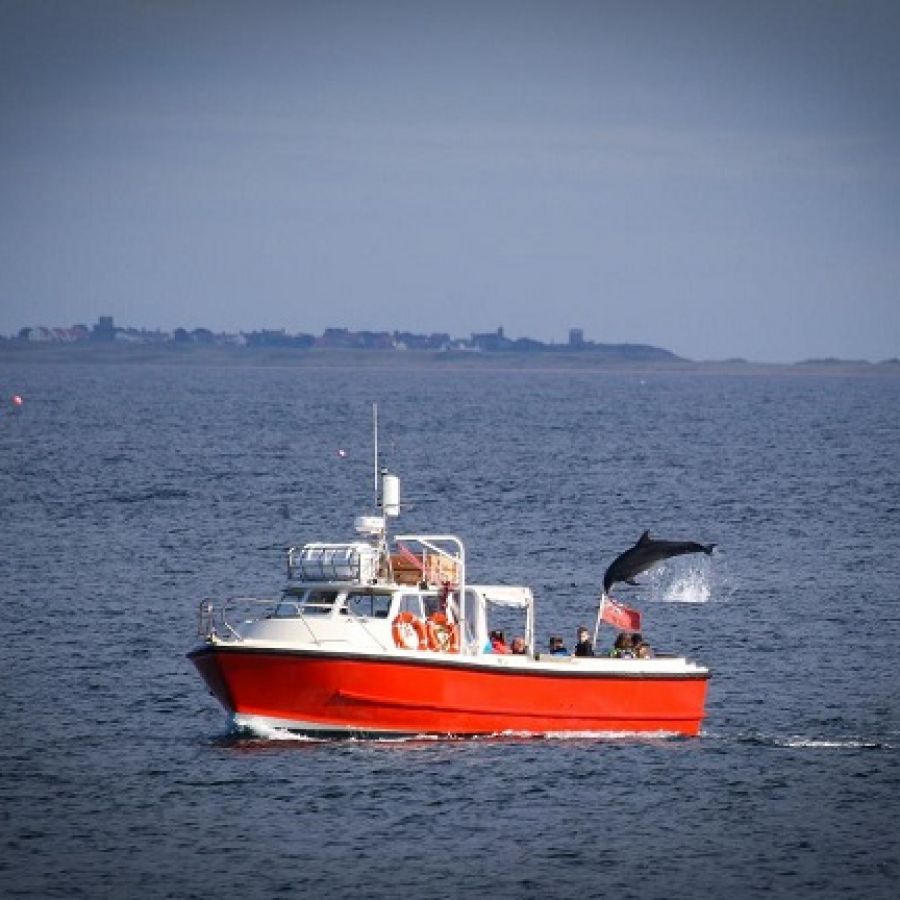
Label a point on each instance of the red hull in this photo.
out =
(369, 694)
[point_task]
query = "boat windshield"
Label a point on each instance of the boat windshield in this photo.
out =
(367, 604)
(314, 602)
(420, 605)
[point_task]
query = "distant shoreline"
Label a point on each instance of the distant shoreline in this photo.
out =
(499, 361)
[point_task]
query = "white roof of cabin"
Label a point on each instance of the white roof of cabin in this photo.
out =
(512, 596)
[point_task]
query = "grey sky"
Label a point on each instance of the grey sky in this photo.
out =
(718, 178)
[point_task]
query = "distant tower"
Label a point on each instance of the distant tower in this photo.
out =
(105, 329)
(576, 338)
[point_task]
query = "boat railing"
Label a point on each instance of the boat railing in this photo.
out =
(217, 619)
(449, 549)
(437, 562)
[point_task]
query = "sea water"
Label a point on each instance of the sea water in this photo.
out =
(130, 493)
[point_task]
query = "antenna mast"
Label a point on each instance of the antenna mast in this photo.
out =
(375, 432)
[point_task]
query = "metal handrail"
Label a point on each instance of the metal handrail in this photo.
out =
(213, 619)
(361, 620)
(433, 542)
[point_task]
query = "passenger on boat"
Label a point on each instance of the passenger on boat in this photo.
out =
(584, 647)
(557, 647)
(623, 648)
(643, 650)
(518, 646)
(498, 643)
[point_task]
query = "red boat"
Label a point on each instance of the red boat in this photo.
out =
(385, 637)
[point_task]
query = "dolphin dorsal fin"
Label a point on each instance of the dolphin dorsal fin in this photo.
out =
(644, 538)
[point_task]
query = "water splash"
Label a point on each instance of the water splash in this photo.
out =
(254, 730)
(692, 588)
(263, 732)
(680, 582)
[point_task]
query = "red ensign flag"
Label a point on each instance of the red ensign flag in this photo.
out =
(619, 616)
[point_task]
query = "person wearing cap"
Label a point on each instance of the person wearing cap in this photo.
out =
(584, 647)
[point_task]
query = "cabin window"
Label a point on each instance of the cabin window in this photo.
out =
(474, 613)
(368, 604)
(289, 605)
(412, 603)
(306, 603)
(318, 603)
(432, 604)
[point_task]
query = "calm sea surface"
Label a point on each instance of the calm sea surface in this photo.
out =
(130, 493)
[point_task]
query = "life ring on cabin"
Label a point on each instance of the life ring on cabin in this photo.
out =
(442, 634)
(409, 632)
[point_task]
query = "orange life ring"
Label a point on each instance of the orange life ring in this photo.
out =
(404, 627)
(442, 633)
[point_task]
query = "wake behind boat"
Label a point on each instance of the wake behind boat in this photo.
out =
(385, 636)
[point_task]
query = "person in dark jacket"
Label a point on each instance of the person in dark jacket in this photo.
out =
(584, 647)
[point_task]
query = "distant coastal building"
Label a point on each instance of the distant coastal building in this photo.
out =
(407, 340)
(576, 338)
(273, 338)
(344, 339)
(42, 335)
(104, 330)
(491, 341)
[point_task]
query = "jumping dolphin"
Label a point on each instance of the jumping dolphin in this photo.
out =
(644, 554)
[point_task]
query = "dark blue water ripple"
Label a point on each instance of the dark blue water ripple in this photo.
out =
(130, 493)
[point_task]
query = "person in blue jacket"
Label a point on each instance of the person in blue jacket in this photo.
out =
(557, 648)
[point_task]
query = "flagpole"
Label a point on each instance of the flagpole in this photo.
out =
(599, 614)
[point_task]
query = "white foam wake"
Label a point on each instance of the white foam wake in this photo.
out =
(826, 744)
(265, 732)
(805, 742)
